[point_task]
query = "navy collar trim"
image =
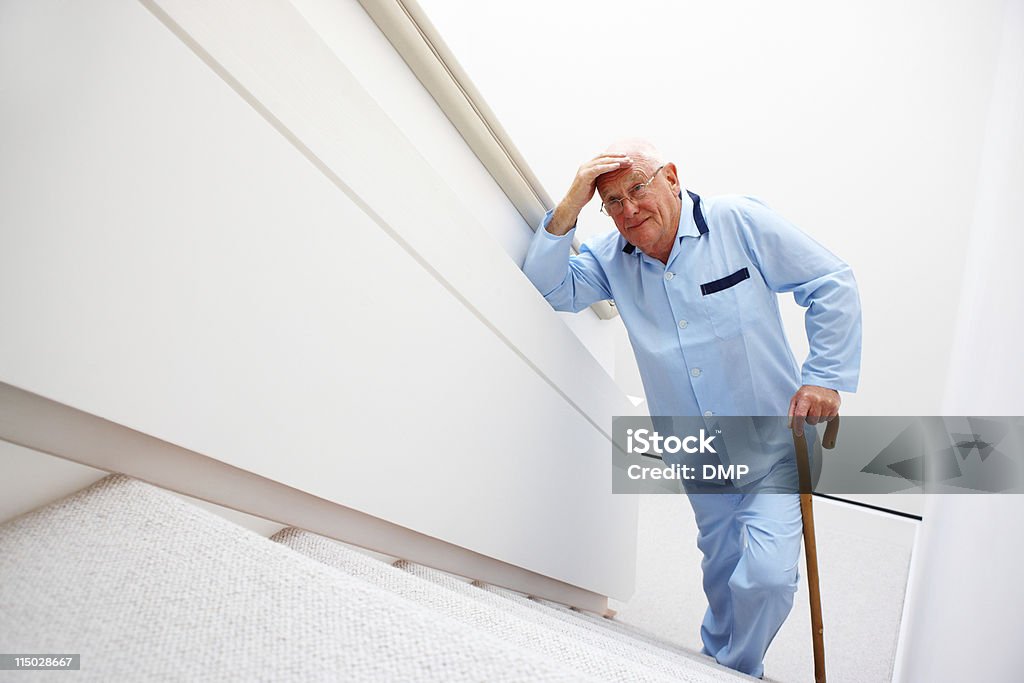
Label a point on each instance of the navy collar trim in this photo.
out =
(698, 215)
(698, 218)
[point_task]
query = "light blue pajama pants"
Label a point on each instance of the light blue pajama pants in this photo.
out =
(751, 546)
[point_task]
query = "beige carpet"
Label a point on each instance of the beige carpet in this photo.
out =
(148, 587)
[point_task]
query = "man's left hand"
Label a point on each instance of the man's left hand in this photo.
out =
(813, 405)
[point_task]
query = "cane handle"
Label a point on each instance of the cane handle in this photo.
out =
(831, 433)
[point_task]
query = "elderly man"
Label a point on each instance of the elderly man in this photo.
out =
(695, 280)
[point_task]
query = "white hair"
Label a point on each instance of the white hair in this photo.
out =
(638, 148)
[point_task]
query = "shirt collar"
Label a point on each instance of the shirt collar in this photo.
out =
(691, 221)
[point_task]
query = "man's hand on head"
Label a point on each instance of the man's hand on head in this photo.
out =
(582, 190)
(813, 405)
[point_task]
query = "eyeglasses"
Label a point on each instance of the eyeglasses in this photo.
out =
(613, 207)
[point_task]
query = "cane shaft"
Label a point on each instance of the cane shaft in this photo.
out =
(811, 553)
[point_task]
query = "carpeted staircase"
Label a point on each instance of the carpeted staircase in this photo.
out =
(147, 586)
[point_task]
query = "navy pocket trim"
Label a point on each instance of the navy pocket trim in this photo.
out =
(725, 282)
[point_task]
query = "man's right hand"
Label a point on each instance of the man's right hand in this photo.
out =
(582, 190)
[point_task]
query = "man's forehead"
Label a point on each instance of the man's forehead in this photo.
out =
(622, 179)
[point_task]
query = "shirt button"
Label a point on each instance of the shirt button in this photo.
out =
(695, 372)
(669, 276)
(708, 413)
(683, 324)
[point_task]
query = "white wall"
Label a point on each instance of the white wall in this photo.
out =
(986, 371)
(214, 234)
(355, 39)
(965, 620)
(861, 122)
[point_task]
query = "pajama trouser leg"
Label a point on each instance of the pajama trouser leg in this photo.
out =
(719, 541)
(751, 546)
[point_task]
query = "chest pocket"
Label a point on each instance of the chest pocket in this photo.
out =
(731, 301)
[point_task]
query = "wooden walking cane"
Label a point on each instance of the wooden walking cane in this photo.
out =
(803, 467)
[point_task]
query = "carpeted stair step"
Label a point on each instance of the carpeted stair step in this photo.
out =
(638, 636)
(609, 624)
(608, 627)
(579, 632)
(473, 606)
(507, 627)
(146, 586)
